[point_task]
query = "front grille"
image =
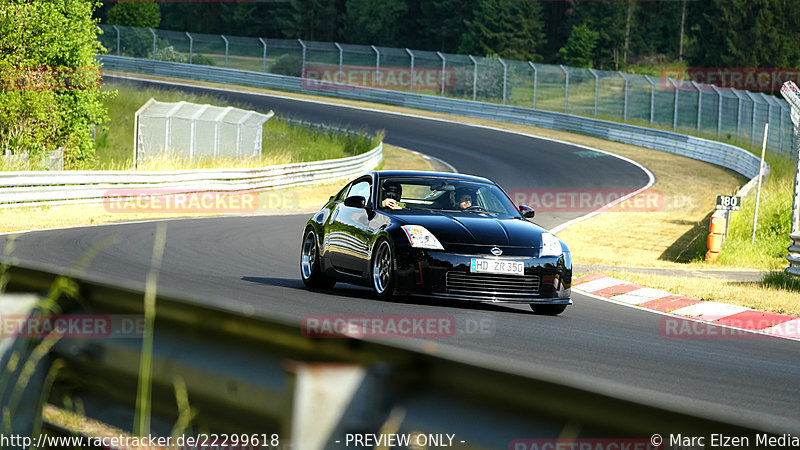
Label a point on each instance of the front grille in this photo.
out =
(490, 285)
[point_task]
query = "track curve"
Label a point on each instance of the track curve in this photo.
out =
(250, 264)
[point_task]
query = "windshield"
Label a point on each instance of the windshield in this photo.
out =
(444, 194)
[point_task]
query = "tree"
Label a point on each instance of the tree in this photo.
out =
(144, 14)
(505, 28)
(580, 47)
(374, 22)
(49, 92)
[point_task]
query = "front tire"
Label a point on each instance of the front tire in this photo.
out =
(548, 310)
(310, 271)
(382, 269)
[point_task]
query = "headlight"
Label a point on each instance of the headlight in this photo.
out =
(551, 246)
(420, 237)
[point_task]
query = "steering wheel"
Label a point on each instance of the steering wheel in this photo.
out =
(475, 208)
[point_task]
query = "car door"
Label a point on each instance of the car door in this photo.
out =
(349, 234)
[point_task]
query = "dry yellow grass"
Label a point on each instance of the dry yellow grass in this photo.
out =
(283, 201)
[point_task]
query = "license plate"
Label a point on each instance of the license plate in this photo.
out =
(502, 266)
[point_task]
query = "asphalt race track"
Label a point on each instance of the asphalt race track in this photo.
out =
(250, 264)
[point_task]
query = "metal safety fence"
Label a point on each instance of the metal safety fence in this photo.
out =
(730, 115)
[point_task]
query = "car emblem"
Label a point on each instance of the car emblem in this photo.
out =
(496, 251)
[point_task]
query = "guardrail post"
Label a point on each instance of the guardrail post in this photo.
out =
(475, 77)
(264, 57)
(535, 81)
(444, 67)
(652, 98)
(303, 64)
(411, 86)
(794, 256)
(699, 104)
(625, 103)
(596, 89)
(377, 64)
(154, 42)
(566, 88)
(505, 77)
(675, 107)
(226, 49)
(191, 46)
(340, 77)
(118, 37)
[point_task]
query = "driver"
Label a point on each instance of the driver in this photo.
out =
(392, 192)
(464, 198)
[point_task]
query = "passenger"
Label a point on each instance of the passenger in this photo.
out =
(392, 192)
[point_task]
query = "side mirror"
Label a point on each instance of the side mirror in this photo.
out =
(355, 201)
(526, 212)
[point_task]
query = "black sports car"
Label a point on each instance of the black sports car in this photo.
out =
(435, 234)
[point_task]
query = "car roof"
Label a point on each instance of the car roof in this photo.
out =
(420, 173)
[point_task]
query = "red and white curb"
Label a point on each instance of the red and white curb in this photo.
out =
(706, 316)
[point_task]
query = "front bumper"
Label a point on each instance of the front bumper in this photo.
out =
(546, 280)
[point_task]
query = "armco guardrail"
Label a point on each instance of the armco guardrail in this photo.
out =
(35, 188)
(726, 155)
(247, 373)
(794, 256)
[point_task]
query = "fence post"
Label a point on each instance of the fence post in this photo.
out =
(474, 77)
(769, 107)
(535, 81)
(154, 42)
(377, 64)
(340, 77)
(781, 132)
(191, 46)
(699, 104)
(738, 113)
(719, 110)
(118, 40)
(444, 65)
(652, 98)
(625, 103)
(411, 86)
(505, 78)
(566, 88)
(596, 89)
(675, 108)
(226, 49)
(303, 64)
(753, 120)
(264, 57)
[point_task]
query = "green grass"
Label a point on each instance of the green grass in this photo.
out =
(281, 143)
(769, 249)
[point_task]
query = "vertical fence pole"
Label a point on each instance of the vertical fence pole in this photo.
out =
(444, 66)
(652, 98)
(625, 102)
(411, 86)
(753, 120)
(760, 178)
(118, 37)
(769, 107)
(535, 81)
(719, 110)
(377, 65)
(226, 49)
(191, 46)
(566, 88)
(340, 74)
(264, 56)
(781, 132)
(596, 89)
(474, 77)
(738, 113)
(303, 64)
(505, 78)
(154, 42)
(699, 104)
(675, 107)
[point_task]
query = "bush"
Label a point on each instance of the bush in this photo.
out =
(290, 65)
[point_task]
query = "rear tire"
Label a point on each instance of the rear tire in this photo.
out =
(382, 270)
(548, 310)
(310, 271)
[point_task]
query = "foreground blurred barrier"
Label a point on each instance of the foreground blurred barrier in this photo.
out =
(243, 371)
(794, 256)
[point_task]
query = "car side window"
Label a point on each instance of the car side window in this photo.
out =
(362, 188)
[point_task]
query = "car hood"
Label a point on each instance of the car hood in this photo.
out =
(476, 228)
